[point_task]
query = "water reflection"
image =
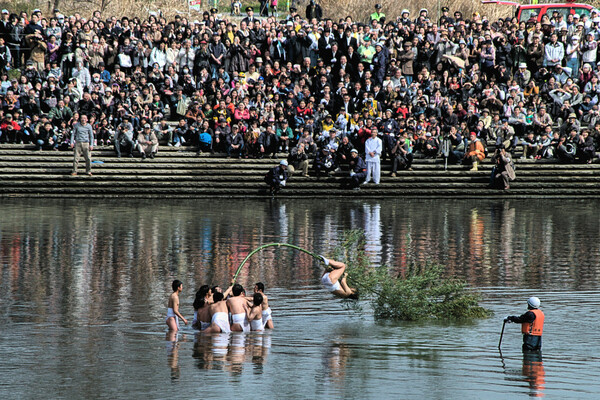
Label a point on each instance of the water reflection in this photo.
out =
(335, 360)
(231, 352)
(82, 261)
(533, 371)
(172, 344)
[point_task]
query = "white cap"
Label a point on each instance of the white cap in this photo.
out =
(283, 162)
(533, 302)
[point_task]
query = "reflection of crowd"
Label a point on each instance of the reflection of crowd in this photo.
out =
(258, 86)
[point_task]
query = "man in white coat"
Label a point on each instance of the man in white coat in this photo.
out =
(373, 148)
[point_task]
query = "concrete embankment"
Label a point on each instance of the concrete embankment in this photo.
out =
(180, 173)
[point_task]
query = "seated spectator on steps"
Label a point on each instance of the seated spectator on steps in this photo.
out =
(344, 153)
(181, 130)
(358, 170)
(10, 130)
(268, 143)
(235, 142)
(531, 146)
(205, 138)
(307, 140)
(324, 162)
(284, 135)
(124, 138)
(298, 160)
(475, 152)
(503, 171)
(164, 132)
(147, 142)
(46, 138)
(585, 147)
(403, 158)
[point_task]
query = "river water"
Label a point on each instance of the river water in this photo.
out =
(84, 285)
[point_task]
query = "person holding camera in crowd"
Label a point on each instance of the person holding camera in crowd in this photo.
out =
(358, 170)
(325, 161)
(277, 177)
(456, 145)
(124, 137)
(503, 171)
(298, 160)
(402, 156)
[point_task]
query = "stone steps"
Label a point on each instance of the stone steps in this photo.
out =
(124, 163)
(129, 168)
(257, 176)
(180, 173)
(321, 192)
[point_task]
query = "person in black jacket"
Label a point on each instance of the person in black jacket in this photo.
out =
(235, 142)
(313, 10)
(586, 148)
(45, 138)
(324, 161)
(358, 170)
(344, 155)
(277, 177)
(268, 142)
(532, 325)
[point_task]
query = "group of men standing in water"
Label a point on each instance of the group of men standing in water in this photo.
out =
(216, 311)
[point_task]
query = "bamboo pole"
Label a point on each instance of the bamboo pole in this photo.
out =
(264, 246)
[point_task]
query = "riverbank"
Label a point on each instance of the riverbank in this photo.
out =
(180, 173)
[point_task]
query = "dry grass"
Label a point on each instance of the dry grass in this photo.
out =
(335, 9)
(119, 8)
(360, 9)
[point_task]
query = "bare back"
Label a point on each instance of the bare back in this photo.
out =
(204, 313)
(237, 304)
(255, 313)
(219, 306)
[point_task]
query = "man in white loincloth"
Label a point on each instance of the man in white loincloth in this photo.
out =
(335, 280)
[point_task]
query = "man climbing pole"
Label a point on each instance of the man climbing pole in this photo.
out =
(532, 325)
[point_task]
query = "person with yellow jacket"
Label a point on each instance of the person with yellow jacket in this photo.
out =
(532, 325)
(475, 152)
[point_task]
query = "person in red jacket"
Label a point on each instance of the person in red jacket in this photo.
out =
(532, 325)
(10, 131)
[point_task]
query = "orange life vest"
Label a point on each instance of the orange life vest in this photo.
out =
(536, 327)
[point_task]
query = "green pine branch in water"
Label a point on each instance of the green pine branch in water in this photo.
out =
(420, 292)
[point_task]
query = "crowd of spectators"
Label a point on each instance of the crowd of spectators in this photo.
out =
(310, 86)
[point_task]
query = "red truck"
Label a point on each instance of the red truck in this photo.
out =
(525, 11)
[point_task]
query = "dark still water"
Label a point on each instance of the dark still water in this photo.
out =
(84, 286)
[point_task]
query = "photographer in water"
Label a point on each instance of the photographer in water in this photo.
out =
(503, 171)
